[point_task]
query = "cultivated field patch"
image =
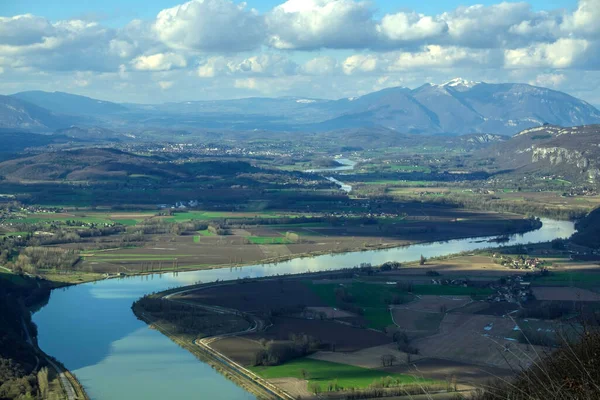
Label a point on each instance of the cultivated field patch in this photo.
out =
(565, 294)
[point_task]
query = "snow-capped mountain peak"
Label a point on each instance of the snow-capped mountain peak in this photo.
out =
(459, 83)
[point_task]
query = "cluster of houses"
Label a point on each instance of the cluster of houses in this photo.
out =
(450, 282)
(512, 290)
(520, 262)
(180, 205)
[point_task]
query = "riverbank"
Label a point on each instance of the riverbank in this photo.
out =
(206, 356)
(115, 332)
(82, 277)
(477, 267)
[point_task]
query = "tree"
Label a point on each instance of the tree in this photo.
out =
(314, 387)
(423, 260)
(305, 374)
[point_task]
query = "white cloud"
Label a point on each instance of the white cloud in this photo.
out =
(212, 67)
(241, 49)
(484, 26)
(549, 80)
(164, 85)
(360, 63)
(23, 30)
(210, 25)
(563, 53)
(247, 83)
(260, 65)
(585, 20)
(411, 27)
(435, 56)
(320, 66)
(312, 24)
(159, 62)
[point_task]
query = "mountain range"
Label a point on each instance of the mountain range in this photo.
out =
(454, 108)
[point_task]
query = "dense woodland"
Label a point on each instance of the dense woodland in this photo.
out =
(22, 372)
(589, 230)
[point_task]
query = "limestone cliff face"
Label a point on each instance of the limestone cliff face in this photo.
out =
(572, 153)
(558, 155)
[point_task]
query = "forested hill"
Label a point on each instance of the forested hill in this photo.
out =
(19, 366)
(588, 230)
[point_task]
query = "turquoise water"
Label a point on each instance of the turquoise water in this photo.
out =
(91, 329)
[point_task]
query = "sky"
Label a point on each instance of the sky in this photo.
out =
(152, 51)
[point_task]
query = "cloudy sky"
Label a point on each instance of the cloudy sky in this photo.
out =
(167, 50)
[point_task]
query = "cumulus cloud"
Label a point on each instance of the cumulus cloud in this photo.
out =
(312, 24)
(549, 80)
(164, 85)
(435, 56)
(320, 66)
(407, 27)
(360, 63)
(563, 53)
(210, 25)
(263, 65)
(585, 19)
(159, 62)
(238, 47)
(247, 83)
(24, 30)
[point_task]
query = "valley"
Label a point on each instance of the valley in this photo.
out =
(355, 262)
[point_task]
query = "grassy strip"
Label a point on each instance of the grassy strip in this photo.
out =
(268, 240)
(346, 376)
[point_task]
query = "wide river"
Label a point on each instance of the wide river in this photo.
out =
(92, 330)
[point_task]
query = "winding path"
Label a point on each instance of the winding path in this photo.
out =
(204, 343)
(64, 380)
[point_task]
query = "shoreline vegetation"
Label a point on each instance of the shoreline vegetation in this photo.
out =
(26, 369)
(275, 260)
(189, 342)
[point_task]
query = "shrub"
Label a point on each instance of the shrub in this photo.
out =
(572, 372)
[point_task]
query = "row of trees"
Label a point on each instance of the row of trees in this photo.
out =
(276, 353)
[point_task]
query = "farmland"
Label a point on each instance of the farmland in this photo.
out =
(358, 319)
(142, 241)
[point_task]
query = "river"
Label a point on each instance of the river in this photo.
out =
(92, 330)
(347, 165)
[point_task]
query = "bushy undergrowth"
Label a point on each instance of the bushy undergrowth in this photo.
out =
(572, 372)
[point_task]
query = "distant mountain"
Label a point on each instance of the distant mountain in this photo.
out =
(463, 107)
(569, 153)
(19, 114)
(454, 108)
(69, 104)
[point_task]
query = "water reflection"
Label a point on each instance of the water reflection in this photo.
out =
(92, 330)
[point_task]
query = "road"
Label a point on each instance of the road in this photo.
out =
(204, 343)
(64, 380)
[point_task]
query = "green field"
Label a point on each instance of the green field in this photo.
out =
(210, 215)
(322, 372)
(374, 299)
(268, 240)
(410, 168)
(126, 222)
(83, 217)
(565, 278)
(444, 290)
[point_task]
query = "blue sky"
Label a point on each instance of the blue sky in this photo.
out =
(118, 12)
(170, 50)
